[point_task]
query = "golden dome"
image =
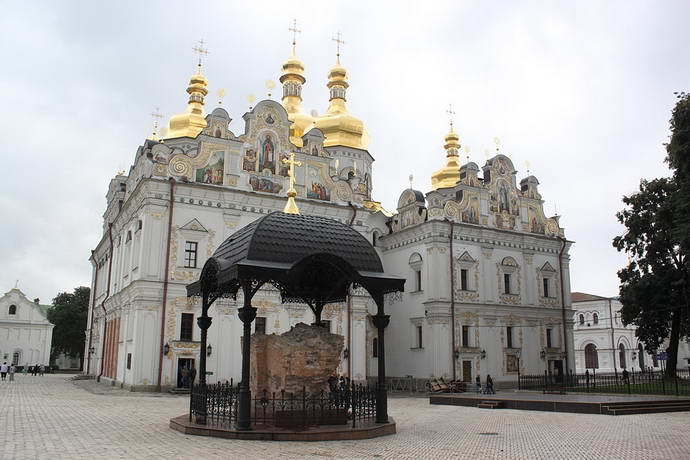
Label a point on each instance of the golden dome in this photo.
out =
(292, 78)
(339, 127)
(449, 175)
(192, 121)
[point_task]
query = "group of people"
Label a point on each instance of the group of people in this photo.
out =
(336, 384)
(188, 376)
(488, 388)
(11, 369)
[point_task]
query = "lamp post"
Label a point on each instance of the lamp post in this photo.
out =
(517, 355)
(209, 350)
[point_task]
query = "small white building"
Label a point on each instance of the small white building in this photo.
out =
(603, 342)
(25, 332)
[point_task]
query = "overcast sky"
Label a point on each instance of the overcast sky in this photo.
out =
(581, 90)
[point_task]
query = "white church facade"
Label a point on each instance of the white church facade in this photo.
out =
(487, 272)
(25, 332)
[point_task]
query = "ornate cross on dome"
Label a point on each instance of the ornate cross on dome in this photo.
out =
(294, 31)
(200, 50)
(221, 94)
(156, 116)
(450, 115)
(339, 42)
(291, 206)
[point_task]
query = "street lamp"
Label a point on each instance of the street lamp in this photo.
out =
(482, 354)
(209, 350)
(518, 353)
(346, 353)
(456, 353)
(166, 349)
(542, 354)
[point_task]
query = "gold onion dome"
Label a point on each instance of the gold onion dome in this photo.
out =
(339, 127)
(449, 175)
(292, 78)
(192, 121)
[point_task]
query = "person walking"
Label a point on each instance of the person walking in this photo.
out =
(3, 371)
(25, 369)
(489, 385)
(41, 370)
(478, 382)
(11, 371)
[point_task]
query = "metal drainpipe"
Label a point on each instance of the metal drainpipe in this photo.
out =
(165, 283)
(107, 294)
(452, 298)
(565, 330)
(93, 303)
(613, 346)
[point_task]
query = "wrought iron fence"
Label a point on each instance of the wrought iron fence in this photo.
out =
(641, 382)
(217, 404)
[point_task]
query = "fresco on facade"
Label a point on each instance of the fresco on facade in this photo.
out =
(212, 173)
(471, 214)
(267, 154)
(264, 184)
(249, 160)
(315, 187)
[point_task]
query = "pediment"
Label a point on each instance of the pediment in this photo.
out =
(466, 257)
(547, 268)
(194, 225)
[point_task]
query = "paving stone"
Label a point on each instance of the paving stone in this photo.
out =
(51, 417)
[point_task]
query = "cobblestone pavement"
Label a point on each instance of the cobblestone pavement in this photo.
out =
(52, 417)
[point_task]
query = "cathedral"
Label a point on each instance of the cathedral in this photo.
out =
(487, 273)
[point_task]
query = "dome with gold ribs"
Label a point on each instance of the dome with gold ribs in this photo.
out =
(449, 175)
(192, 121)
(339, 127)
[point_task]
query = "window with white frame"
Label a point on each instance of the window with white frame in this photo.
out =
(466, 272)
(416, 263)
(547, 277)
(190, 254)
(509, 277)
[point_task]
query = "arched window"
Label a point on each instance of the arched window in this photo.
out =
(13, 310)
(595, 319)
(582, 319)
(621, 355)
(374, 238)
(655, 360)
(16, 357)
(591, 357)
(416, 266)
(375, 348)
(640, 353)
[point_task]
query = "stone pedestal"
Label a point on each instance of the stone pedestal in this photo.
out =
(305, 356)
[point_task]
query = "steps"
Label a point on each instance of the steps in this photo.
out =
(646, 407)
(490, 405)
(179, 391)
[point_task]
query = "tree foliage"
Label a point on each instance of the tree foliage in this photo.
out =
(69, 315)
(654, 286)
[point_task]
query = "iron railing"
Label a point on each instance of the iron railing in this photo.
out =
(641, 382)
(217, 404)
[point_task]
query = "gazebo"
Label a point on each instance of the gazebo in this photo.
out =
(309, 259)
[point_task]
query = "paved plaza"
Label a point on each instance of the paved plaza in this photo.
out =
(53, 417)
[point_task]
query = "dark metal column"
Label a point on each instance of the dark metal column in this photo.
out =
(381, 321)
(247, 314)
(204, 322)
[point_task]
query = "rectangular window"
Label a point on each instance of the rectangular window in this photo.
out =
(190, 248)
(509, 337)
(419, 337)
(546, 287)
(187, 327)
(465, 336)
(129, 360)
(418, 280)
(506, 283)
(260, 325)
(463, 279)
(548, 338)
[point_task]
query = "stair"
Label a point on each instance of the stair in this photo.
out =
(179, 391)
(490, 405)
(646, 407)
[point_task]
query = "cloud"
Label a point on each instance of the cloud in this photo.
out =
(581, 91)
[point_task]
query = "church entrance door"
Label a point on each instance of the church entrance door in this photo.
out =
(184, 365)
(557, 369)
(467, 371)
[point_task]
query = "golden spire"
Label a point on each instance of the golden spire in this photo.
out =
(292, 78)
(449, 175)
(156, 116)
(291, 205)
(192, 121)
(339, 127)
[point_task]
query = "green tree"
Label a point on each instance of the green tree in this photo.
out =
(69, 315)
(654, 286)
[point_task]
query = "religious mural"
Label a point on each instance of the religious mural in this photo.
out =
(315, 187)
(264, 184)
(212, 173)
(267, 154)
(535, 223)
(471, 214)
(249, 160)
